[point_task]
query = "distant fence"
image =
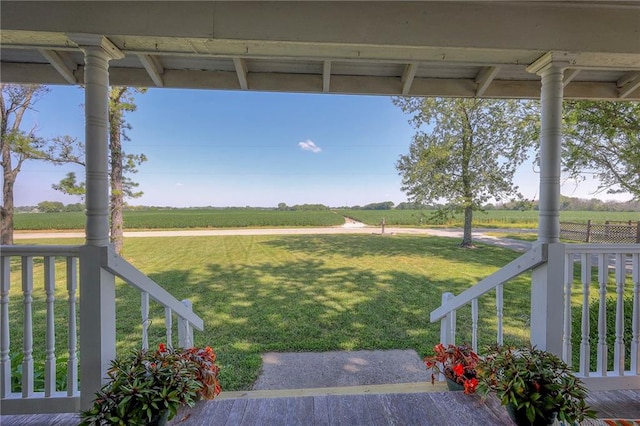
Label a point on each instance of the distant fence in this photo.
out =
(611, 232)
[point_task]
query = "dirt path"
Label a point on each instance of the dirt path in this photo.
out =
(349, 228)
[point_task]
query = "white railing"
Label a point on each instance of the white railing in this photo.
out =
(596, 274)
(446, 313)
(617, 271)
(50, 399)
(17, 265)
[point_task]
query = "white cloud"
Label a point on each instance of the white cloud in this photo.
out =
(308, 145)
(179, 184)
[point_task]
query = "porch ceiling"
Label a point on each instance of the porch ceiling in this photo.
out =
(445, 48)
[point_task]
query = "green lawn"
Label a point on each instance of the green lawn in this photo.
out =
(301, 293)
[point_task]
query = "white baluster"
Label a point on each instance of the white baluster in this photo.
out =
(185, 331)
(635, 322)
(474, 325)
(445, 325)
(50, 351)
(72, 343)
(500, 312)
(27, 346)
(145, 319)
(603, 277)
(454, 326)
(568, 284)
(168, 323)
(585, 346)
(618, 349)
(5, 360)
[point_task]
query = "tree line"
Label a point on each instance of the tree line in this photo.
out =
(566, 204)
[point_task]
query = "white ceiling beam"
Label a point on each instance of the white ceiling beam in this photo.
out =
(628, 83)
(484, 79)
(241, 70)
(154, 68)
(569, 75)
(62, 62)
(407, 77)
(308, 83)
(326, 76)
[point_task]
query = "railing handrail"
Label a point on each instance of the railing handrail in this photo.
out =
(132, 276)
(529, 260)
(20, 250)
(602, 248)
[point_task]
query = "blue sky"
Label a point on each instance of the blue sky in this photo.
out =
(216, 148)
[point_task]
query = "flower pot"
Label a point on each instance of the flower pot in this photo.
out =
(454, 386)
(160, 419)
(520, 417)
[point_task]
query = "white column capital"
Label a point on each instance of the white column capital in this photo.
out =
(88, 41)
(552, 60)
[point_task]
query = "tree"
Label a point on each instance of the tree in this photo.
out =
(50, 207)
(385, 205)
(465, 152)
(603, 138)
(121, 100)
(18, 146)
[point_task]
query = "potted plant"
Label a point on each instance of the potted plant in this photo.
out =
(457, 364)
(536, 386)
(148, 387)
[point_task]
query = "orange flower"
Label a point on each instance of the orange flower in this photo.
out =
(470, 385)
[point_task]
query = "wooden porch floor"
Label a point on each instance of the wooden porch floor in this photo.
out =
(415, 408)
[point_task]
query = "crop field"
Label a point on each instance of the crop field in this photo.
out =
(259, 218)
(186, 218)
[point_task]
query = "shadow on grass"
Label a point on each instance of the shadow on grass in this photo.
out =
(393, 245)
(312, 306)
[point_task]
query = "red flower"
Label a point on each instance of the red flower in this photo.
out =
(162, 347)
(458, 370)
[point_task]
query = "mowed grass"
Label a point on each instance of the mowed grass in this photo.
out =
(300, 293)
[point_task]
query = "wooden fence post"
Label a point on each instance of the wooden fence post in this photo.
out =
(588, 231)
(638, 232)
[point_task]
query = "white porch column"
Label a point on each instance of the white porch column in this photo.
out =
(550, 152)
(97, 286)
(98, 51)
(547, 279)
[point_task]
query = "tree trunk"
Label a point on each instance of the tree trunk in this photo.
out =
(6, 210)
(116, 173)
(467, 151)
(9, 174)
(468, 221)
